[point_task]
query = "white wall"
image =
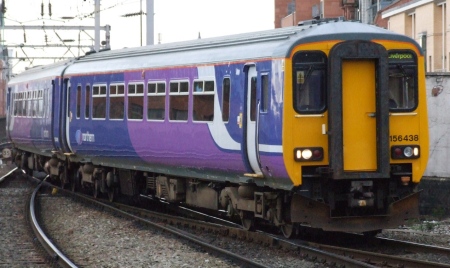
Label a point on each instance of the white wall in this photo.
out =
(439, 124)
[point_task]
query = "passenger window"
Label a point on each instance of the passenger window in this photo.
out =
(402, 81)
(253, 99)
(226, 88)
(203, 101)
(78, 101)
(20, 104)
(28, 107)
(14, 103)
(116, 101)
(265, 94)
(35, 104)
(156, 100)
(309, 83)
(87, 102)
(41, 103)
(98, 102)
(135, 101)
(179, 97)
(24, 104)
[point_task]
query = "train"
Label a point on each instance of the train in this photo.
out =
(320, 125)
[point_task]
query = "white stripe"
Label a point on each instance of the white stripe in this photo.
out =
(217, 127)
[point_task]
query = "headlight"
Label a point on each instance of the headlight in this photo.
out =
(308, 154)
(405, 152)
(408, 151)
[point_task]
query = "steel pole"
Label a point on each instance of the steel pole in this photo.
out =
(150, 22)
(97, 25)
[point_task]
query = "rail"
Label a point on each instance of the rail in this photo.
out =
(43, 239)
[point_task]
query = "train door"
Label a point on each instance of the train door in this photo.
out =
(358, 111)
(358, 115)
(251, 119)
(9, 110)
(66, 116)
(55, 95)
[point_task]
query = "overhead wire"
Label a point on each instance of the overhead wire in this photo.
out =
(78, 8)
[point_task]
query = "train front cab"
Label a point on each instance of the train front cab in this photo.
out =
(356, 135)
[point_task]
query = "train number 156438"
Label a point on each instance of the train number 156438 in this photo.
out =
(394, 138)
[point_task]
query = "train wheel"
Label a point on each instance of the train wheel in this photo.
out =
(75, 182)
(24, 165)
(247, 220)
(62, 180)
(110, 186)
(96, 188)
(287, 230)
(111, 194)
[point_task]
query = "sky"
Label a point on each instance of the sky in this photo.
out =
(174, 20)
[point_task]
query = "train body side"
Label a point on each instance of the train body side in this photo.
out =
(34, 112)
(213, 149)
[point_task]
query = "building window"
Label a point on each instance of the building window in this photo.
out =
(179, 97)
(135, 101)
(116, 101)
(412, 17)
(226, 90)
(99, 101)
(430, 64)
(156, 100)
(203, 101)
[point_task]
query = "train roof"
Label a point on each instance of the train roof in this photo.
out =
(275, 43)
(42, 72)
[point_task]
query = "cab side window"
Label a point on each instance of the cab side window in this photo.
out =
(309, 83)
(402, 81)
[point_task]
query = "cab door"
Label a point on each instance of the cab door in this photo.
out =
(358, 101)
(359, 115)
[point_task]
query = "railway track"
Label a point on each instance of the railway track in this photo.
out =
(23, 241)
(47, 244)
(315, 252)
(182, 227)
(18, 247)
(124, 211)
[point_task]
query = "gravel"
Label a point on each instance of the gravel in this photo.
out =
(99, 239)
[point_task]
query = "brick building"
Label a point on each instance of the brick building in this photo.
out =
(290, 12)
